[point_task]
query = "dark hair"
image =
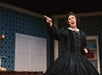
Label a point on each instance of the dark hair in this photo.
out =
(77, 17)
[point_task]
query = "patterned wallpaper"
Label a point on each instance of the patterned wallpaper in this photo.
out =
(12, 22)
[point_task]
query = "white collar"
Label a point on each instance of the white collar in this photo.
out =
(74, 29)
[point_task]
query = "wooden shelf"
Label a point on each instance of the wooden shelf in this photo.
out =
(93, 55)
(92, 59)
(92, 49)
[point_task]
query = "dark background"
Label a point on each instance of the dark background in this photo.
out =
(58, 7)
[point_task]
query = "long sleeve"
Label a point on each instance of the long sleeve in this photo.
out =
(84, 42)
(55, 33)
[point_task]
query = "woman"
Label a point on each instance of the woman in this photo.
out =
(72, 61)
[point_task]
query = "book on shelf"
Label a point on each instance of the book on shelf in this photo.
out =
(90, 55)
(91, 45)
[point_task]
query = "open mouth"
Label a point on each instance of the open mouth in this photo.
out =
(72, 22)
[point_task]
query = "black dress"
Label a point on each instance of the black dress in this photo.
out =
(73, 60)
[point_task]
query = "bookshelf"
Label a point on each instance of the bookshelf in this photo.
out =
(93, 55)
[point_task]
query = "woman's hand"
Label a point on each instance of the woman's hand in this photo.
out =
(48, 20)
(85, 50)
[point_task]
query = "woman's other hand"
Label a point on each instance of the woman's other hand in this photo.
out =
(48, 20)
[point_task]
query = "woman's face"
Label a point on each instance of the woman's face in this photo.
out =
(72, 21)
